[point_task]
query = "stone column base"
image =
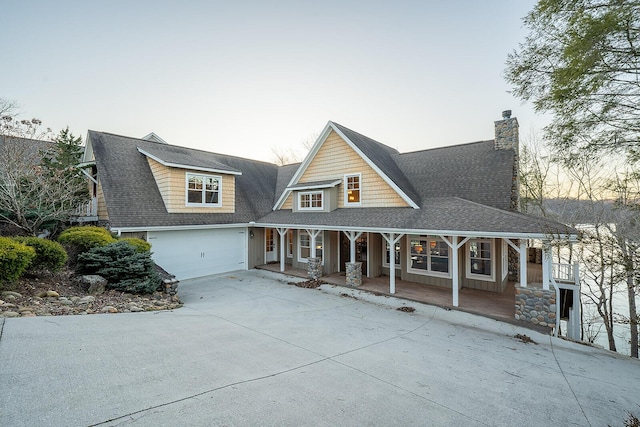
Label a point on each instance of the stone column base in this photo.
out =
(314, 268)
(354, 273)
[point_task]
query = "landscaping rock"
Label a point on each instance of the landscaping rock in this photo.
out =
(94, 283)
(10, 314)
(109, 309)
(11, 293)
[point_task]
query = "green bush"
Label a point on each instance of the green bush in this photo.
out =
(77, 240)
(139, 244)
(15, 257)
(50, 255)
(122, 265)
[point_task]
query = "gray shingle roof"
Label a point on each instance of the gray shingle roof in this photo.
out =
(133, 198)
(382, 156)
(178, 156)
(474, 171)
(436, 214)
(327, 183)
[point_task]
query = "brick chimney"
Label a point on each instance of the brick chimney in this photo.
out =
(506, 133)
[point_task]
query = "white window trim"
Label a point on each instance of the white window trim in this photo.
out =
(482, 277)
(202, 205)
(505, 259)
(346, 197)
(312, 250)
(289, 243)
(427, 272)
(310, 193)
(384, 256)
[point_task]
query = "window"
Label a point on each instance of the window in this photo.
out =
(429, 255)
(385, 261)
(304, 247)
(203, 190)
(290, 244)
(352, 189)
(310, 200)
(481, 260)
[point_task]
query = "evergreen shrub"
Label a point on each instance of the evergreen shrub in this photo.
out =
(139, 244)
(50, 255)
(122, 265)
(77, 240)
(15, 257)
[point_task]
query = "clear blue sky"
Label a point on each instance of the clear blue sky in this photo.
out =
(243, 77)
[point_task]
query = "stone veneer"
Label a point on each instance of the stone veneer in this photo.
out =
(354, 273)
(537, 306)
(314, 268)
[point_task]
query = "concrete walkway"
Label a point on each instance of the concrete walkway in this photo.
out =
(248, 349)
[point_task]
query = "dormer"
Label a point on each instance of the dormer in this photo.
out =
(191, 184)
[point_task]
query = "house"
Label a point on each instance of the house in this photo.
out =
(444, 217)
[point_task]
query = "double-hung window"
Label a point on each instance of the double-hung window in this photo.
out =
(203, 190)
(352, 187)
(396, 252)
(305, 250)
(429, 255)
(481, 259)
(310, 201)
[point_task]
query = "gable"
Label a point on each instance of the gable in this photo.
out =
(335, 159)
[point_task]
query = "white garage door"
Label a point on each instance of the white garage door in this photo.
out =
(196, 253)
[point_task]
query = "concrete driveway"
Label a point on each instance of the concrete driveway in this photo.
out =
(248, 349)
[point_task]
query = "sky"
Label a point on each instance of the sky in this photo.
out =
(250, 77)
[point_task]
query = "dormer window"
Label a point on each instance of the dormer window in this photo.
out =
(352, 190)
(203, 190)
(310, 201)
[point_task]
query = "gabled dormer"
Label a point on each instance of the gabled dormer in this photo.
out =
(345, 169)
(189, 183)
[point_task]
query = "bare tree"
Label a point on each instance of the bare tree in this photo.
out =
(39, 185)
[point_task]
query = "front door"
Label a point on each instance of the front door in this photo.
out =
(270, 245)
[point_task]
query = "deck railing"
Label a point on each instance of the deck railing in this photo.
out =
(89, 209)
(567, 273)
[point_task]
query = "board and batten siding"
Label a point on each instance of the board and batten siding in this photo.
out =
(335, 159)
(172, 185)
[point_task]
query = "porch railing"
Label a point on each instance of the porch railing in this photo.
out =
(567, 273)
(88, 209)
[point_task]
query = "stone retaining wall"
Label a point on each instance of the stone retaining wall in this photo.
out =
(537, 306)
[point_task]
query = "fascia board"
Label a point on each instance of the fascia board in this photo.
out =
(88, 149)
(314, 187)
(189, 167)
(178, 227)
(457, 233)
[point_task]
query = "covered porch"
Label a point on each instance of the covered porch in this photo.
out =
(499, 306)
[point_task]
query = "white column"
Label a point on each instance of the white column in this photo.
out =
(283, 233)
(523, 263)
(455, 279)
(546, 265)
(313, 234)
(454, 246)
(392, 239)
(352, 236)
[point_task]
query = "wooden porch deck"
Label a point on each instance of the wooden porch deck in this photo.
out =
(500, 306)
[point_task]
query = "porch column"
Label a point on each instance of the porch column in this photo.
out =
(523, 263)
(392, 239)
(522, 260)
(546, 265)
(454, 246)
(283, 233)
(352, 236)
